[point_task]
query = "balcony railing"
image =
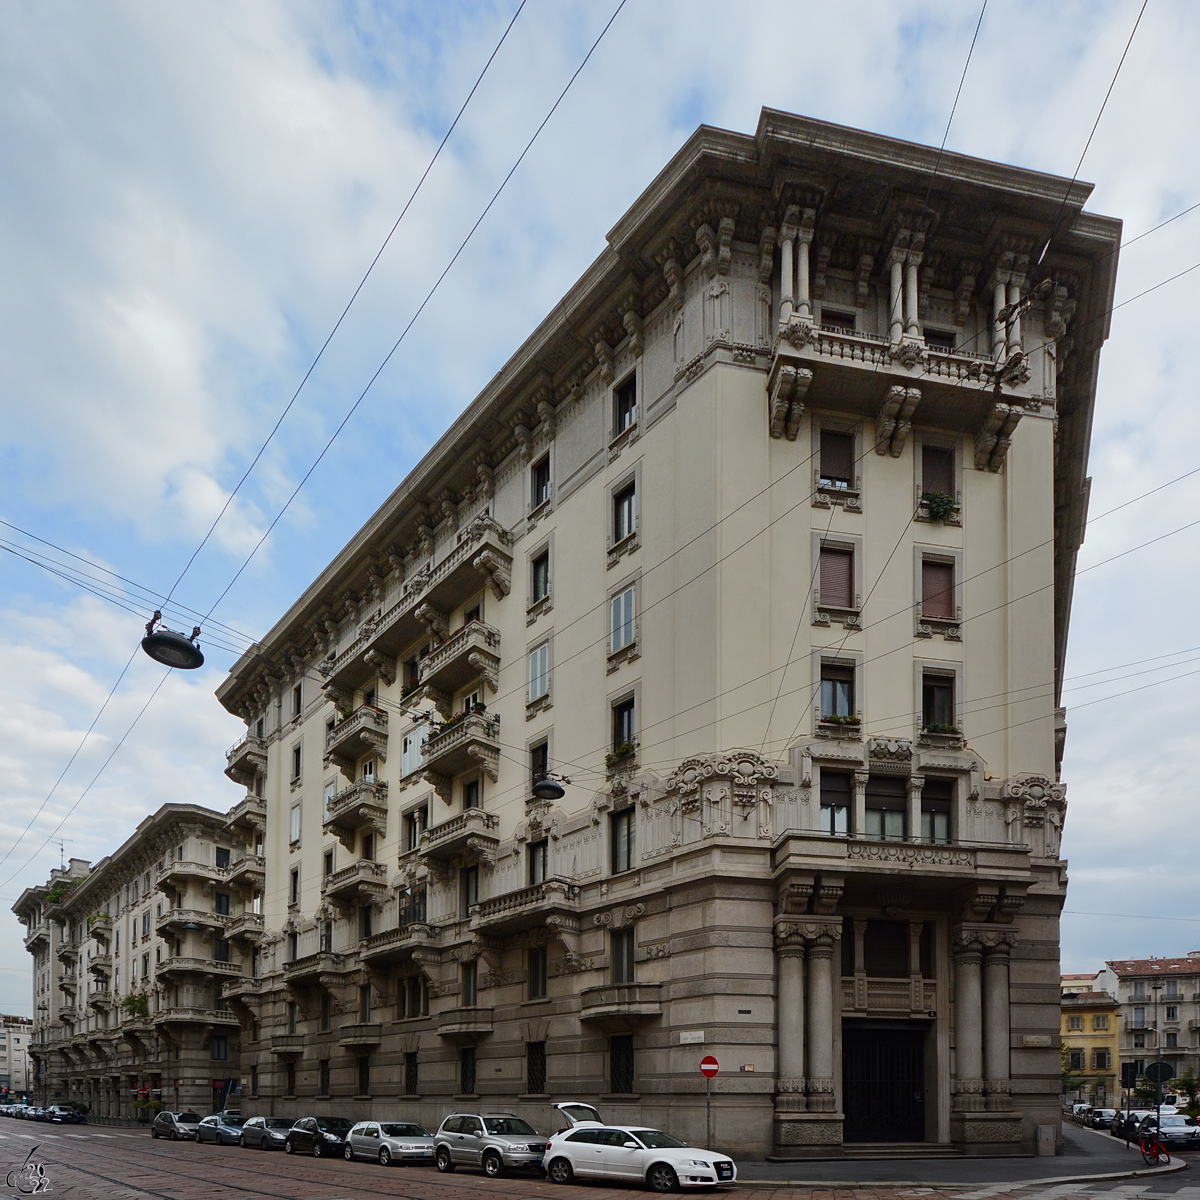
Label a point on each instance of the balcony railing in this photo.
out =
(249, 872)
(189, 965)
(364, 731)
(100, 927)
(394, 944)
(471, 652)
(178, 874)
(183, 1015)
(66, 953)
(246, 758)
(472, 830)
(100, 964)
(248, 926)
(248, 815)
(181, 918)
(360, 806)
(364, 880)
(465, 1024)
(621, 1003)
(287, 1043)
(311, 966)
(527, 907)
(468, 740)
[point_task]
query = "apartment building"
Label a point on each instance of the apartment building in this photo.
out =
(15, 1036)
(1091, 1041)
(1159, 1012)
(696, 693)
(129, 961)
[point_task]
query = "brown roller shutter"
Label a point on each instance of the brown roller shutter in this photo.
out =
(937, 470)
(837, 577)
(837, 457)
(937, 590)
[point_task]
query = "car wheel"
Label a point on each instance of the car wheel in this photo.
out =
(173, 1136)
(347, 1153)
(662, 1179)
(288, 1148)
(492, 1166)
(242, 1140)
(445, 1163)
(385, 1157)
(317, 1151)
(153, 1132)
(560, 1171)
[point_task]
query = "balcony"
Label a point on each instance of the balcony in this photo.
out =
(188, 965)
(364, 731)
(1139, 1026)
(67, 953)
(472, 652)
(287, 1043)
(68, 984)
(465, 742)
(621, 1007)
(526, 908)
(36, 937)
(183, 1015)
(311, 967)
(481, 556)
(360, 1036)
(465, 1025)
(100, 928)
(100, 998)
(361, 806)
(247, 926)
(241, 987)
(248, 816)
(393, 945)
(175, 876)
(363, 882)
(248, 872)
(245, 759)
(471, 833)
(100, 964)
(188, 920)
(68, 1012)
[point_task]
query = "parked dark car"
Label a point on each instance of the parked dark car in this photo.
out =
(1178, 1132)
(178, 1126)
(1126, 1124)
(319, 1136)
(1101, 1118)
(220, 1130)
(64, 1114)
(265, 1133)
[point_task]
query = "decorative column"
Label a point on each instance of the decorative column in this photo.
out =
(787, 268)
(789, 1019)
(896, 294)
(804, 239)
(996, 1028)
(820, 1023)
(968, 1024)
(916, 784)
(1014, 324)
(911, 317)
(859, 815)
(999, 299)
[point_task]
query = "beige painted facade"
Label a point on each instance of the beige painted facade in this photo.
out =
(744, 536)
(16, 1036)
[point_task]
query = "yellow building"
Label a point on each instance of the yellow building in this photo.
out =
(1090, 1030)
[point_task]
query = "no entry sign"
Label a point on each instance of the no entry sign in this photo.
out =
(709, 1066)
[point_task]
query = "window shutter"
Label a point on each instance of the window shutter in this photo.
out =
(937, 590)
(937, 470)
(837, 455)
(837, 577)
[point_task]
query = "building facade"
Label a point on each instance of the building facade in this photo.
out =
(701, 548)
(1159, 1013)
(16, 1033)
(130, 958)
(1091, 1042)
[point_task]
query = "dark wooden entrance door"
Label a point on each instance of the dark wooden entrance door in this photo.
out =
(883, 1082)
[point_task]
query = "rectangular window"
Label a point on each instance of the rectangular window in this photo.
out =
(539, 857)
(887, 807)
(837, 459)
(1076, 1060)
(1074, 1024)
(364, 921)
(622, 955)
(1139, 1017)
(146, 962)
(367, 846)
(539, 762)
(539, 672)
(223, 856)
(468, 889)
(538, 973)
(292, 1014)
(623, 830)
(837, 690)
(364, 1003)
(621, 625)
(364, 1075)
(412, 907)
(469, 985)
(254, 1081)
(297, 760)
(220, 1047)
(1100, 1021)
(470, 794)
(294, 886)
(836, 585)
(367, 774)
(620, 1065)
(410, 1073)
(540, 577)
(843, 322)
(415, 824)
(297, 700)
(1172, 1041)
(220, 904)
(835, 802)
(1172, 1013)
(1102, 1060)
(221, 949)
(466, 1071)
(411, 747)
(260, 727)
(293, 946)
(535, 1068)
(146, 917)
(289, 1079)
(624, 405)
(1139, 1041)
(624, 513)
(937, 471)
(325, 1014)
(937, 590)
(323, 1077)
(539, 482)
(624, 729)
(937, 703)
(1139, 990)
(937, 804)
(294, 826)
(327, 863)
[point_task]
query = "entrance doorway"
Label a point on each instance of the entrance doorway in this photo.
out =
(883, 1082)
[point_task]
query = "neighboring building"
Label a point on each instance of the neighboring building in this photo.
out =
(1073, 984)
(701, 546)
(1159, 1010)
(1090, 1038)
(129, 962)
(16, 1033)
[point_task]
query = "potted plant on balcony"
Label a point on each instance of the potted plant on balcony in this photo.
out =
(136, 1006)
(620, 755)
(939, 506)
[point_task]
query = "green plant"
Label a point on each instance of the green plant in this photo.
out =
(940, 506)
(619, 753)
(936, 728)
(97, 916)
(842, 720)
(1189, 1085)
(58, 893)
(136, 1006)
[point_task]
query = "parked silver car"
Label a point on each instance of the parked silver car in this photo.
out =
(388, 1142)
(494, 1141)
(175, 1125)
(265, 1133)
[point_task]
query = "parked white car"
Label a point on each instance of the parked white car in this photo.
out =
(388, 1142)
(658, 1159)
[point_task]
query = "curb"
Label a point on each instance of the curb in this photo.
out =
(830, 1185)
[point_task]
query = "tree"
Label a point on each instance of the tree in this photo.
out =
(1189, 1085)
(1071, 1078)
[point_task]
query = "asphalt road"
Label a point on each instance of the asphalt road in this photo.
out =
(100, 1163)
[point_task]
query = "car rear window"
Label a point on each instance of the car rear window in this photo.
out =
(188, 1118)
(395, 1130)
(580, 1112)
(501, 1126)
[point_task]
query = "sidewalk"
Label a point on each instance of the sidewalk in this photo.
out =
(1087, 1154)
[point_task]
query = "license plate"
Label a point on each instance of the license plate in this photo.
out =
(724, 1172)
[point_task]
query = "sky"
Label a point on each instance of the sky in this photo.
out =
(189, 194)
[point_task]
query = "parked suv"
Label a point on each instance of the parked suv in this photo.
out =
(493, 1141)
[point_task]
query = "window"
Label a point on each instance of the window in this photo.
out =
(624, 406)
(837, 690)
(254, 1081)
(412, 907)
(939, 339)
(297, 761)
(364, 921)
(412, 674)
(368, 771)
(1139, 1067)
(1172, 1013)
(410, 750)
(937, 803)
(415, 824)
(620, 1065)
(294, 886)
(835, 802)
(622, 955)
(837, 459)
(259, 727)
(937, 590)
(1172, 1040)
(468, 889)
(146, 916)
(624, 729)
(1139, 1016)
(937, 703)
(885, 949)
(470, 794)
(221, 949)
(623, 830)
(466, 1071)
(539, 584)
(327, 863)
(297, 700)
(1139, 1041)
(535, 1068)
(1172, 992)
(323, 1077)
(259, 782)
(325, 1013)
(843, 322)
(538, 973)
(146, 962)
(368, 697)
(1139, 990)
(539, 482)
(410, 1073)
(364, 1075)
(624, 513)
(937, 471)
(289, 1079)
(469, 984)
(1101, 1060)
(293, 946)
(220, 1047)
(836, 585)
(415, 996)
(1076, 1060)
(621, 627)
(367, 846)
(294, 826)
(1100, 1021)
(887, 807)
(364, 1003)
(539, 762)
(292, 1013)
(539, 857)
(222, 856)
(1074, 1024)
(220, 904)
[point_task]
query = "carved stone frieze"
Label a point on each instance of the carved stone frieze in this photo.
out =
(912, 856)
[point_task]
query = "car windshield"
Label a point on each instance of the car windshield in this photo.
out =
(507, 1125)
(278, 1123)
(396, 1130)
(236, 1121)
(655, 1139)
(1176, 1121)
(188, 1118)
(333, 1124)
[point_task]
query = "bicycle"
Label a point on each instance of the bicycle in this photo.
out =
(1153, 1151)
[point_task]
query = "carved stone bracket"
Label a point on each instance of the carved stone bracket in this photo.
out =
(787, 389)
(434, 619)
(382, 665)
(994, 439)
(894, 422)
(497, 573)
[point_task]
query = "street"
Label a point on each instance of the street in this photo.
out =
(105, 1163)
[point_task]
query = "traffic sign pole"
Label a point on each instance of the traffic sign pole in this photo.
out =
(708, 1068)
